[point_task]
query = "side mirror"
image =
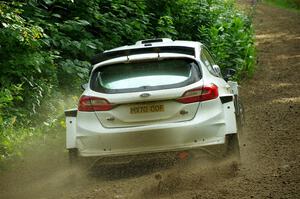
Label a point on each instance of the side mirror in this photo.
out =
(228, 73)
(84, 86)
(217, 70)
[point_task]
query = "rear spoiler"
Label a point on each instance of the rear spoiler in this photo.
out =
(163, 49)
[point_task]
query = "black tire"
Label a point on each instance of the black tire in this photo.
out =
(240, 114)
(233, 147)
(73, 157)
(83, 163)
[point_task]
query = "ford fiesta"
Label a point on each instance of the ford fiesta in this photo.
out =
(154, 97)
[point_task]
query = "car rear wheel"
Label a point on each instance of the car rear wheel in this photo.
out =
(77, 161)
(73, 156)
(240, 114)
(233, 147)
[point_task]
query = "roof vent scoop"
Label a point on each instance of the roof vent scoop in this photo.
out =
(149, 41)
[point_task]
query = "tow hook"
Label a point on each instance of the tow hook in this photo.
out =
(183, 155)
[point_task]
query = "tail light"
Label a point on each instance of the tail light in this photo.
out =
(199, 94)
(89, 103)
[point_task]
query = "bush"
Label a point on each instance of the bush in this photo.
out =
(291, 4)
(227, 32)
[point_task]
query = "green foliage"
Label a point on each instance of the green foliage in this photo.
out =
(166, 27)
(46, 45)
(27, 71)
(289, 4)
(13, 138)
(216, 23)
(231, 40)
(221, 27)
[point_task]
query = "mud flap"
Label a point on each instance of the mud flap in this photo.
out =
(71, 116)
(239, 108)
(234, 87)
(229, 116)
(233, 147)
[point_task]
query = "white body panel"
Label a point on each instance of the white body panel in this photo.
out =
(123, 118)
(207, 128)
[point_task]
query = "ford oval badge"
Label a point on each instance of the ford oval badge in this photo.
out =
(144, 95)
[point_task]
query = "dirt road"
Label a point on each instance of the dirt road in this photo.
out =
(270, 145)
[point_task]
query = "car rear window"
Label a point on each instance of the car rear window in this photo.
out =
(141, 76)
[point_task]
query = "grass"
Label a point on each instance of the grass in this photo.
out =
(293, 5)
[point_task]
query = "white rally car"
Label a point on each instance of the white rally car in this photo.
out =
(154, 97)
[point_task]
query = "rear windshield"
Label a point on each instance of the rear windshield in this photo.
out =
(141, 76)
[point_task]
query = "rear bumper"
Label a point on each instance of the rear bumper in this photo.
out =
(90, 146)
(162, 157)
(207, 128)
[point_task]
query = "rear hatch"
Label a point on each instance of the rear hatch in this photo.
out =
(144, 93)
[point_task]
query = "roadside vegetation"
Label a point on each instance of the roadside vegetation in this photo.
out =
(288, 4)
(46, 45)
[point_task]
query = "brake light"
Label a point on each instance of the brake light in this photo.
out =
(89, 103)
(199, 94)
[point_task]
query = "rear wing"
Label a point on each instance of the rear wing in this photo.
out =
(163, 49)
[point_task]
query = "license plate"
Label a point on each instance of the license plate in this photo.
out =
(147, 108)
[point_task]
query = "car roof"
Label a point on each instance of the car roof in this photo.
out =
(160, 45)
